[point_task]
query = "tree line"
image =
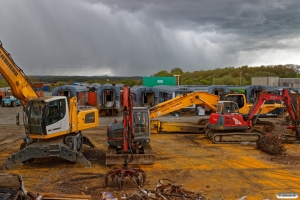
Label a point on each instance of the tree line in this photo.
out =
(219, 76)
(231, 75)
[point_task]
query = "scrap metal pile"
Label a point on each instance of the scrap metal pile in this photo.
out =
(271, 144)
(166, 191)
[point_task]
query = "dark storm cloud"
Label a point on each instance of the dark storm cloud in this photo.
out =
(142, 37)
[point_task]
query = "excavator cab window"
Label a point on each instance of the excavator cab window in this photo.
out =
(56, 111)
(230, 107)
(239, 99)
(35, 117)
(141, 123)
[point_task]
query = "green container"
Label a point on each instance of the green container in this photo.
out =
(157, 80)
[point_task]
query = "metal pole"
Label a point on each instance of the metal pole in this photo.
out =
(240, 78)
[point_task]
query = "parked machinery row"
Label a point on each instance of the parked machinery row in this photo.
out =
(54, 124)
(108, 98)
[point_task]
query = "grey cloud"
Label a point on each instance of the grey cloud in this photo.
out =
(141, 37)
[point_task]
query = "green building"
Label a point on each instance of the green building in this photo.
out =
(151, 81)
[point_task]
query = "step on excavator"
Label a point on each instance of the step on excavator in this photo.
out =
(227, 125)
(53, 124)
(143, 126)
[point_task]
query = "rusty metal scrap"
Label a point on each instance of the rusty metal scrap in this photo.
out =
(271, 144)
(166, 191)
(12, 188)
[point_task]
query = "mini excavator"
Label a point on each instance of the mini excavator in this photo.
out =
(118, 174)
(227, 125)
(53, 125)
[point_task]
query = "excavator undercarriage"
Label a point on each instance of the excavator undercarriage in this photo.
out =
(254, 134)
(65, 147)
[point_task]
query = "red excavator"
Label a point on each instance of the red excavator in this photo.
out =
(118, 174)
(227, 125)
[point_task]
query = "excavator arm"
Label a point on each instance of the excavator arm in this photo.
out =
(183, 101)
(263, 97)
(21, 86)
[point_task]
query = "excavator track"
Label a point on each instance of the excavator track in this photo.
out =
(261, 128)
(236, 138)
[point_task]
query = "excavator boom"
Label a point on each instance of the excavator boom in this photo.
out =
(263, 97)
(21, 87)
(182, 101)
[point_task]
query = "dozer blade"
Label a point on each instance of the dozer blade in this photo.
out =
(145, 158)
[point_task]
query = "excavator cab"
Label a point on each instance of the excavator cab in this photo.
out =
(46, 116)
(142, 152)
(227, 107)
(141, 122)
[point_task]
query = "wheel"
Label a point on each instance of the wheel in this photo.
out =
(208, 133)
(31, 160)
(13, 104)
(218, 138)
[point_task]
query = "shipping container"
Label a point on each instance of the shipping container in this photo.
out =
(92, 98)
(47, 88)
(156, 80)
(39, 86)
(93, 87)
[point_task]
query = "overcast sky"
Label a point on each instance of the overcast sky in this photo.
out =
(142, 37)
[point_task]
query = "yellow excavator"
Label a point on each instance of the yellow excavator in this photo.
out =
(53, 124)
(200, 98)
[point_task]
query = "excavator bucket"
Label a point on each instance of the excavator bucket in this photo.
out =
(145, 156)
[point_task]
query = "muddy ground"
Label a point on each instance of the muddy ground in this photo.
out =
(214, 170)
